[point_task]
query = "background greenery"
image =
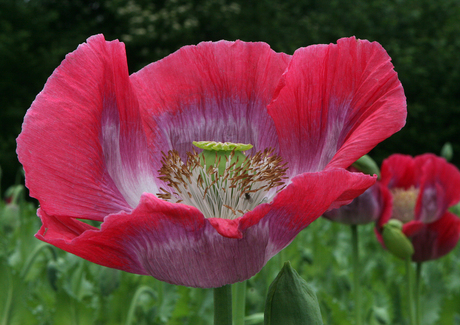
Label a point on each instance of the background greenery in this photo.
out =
(420, 35)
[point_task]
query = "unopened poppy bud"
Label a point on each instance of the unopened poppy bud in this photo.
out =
(291, 301)
(447, 152)
(9, 217)
(219, 152)
(367, 165)
(395, 240)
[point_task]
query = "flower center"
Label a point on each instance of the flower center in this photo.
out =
(221, 181)
(404, 203)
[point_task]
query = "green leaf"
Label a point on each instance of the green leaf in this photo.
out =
(290, 300)
(13, 298)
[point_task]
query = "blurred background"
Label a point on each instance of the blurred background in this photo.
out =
(420, 35)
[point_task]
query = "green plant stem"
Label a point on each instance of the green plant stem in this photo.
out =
(32, 256)
(223, 305)
(132, 306)
(410, 291)
(9, 299)
(418, 272)
(356, 274)
(160, 292)
(239, 302)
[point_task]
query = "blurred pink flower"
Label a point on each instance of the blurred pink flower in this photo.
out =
(91, 148)
(423, 188)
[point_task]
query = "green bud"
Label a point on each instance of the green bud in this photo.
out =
(455, 209)
(14, 192)
(447, 152)
(219, 152)
(291, 301)
(367, 165)
(395, 241)
(9, 217)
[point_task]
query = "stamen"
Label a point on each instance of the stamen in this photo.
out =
(222, 190)
(404, 202)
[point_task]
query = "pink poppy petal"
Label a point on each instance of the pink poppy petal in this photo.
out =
(398, 171)
(436, 239)
(306, 199)
(88, 242)
(211, 92)
(82, 144)
(171, 242)
(335, 103)
(412, 228)
(386, 200)
(176, 244)
(439, 184)
(227, 227)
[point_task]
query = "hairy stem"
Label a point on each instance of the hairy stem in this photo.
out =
(239, 302)
(356, 274)
(223, 305)
(410, 291)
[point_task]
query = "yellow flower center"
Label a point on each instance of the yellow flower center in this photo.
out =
(404, 203)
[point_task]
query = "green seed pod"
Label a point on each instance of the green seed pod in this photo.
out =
(291, 301)
(395, 241)
(367, 165)
(218, 152)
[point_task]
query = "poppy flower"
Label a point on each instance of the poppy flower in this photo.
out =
(423, 188)
(100, 144)
(373, 204)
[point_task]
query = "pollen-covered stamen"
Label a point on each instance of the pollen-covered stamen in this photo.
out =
(222, 192)
(404, 201)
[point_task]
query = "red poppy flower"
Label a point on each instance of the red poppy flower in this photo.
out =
(92, 144)
(373, 204)
(423, 188)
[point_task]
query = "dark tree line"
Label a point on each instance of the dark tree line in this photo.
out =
(420, 35)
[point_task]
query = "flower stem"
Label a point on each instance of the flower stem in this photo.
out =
(239, 302)
(223, 305)
(31, 258)
(160, 292)
(356, 274)
(132, 307)
(418, 272)
(410, 291)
